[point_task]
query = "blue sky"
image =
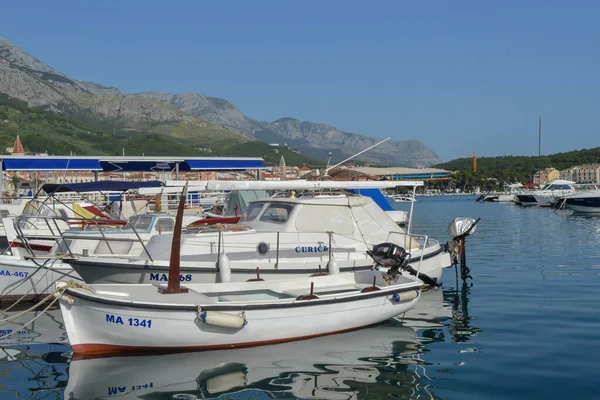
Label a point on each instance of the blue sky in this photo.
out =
(460, 76)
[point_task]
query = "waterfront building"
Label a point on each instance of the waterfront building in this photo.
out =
(543, 176)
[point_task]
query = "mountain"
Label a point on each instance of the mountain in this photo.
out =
(311, 138)
(214, 124)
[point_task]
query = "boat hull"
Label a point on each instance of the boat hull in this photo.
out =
(526, 200)
(143, 271)
(97, 327)
(584, 204)
(23, 278)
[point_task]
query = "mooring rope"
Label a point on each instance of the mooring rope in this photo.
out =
(57, 293)
(40, 266)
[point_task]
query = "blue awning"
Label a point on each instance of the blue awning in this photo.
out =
(376, 195)
(101, 186)
(220, 164)
(50, 164)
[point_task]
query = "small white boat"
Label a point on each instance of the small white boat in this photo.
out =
(402, 198)
(115, 318)
(339, 364)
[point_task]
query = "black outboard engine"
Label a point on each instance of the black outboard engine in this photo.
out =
(396, 259)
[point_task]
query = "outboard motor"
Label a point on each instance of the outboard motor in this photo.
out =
(458, 230)
(396, 259)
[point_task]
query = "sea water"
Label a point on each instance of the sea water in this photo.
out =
(526, 326)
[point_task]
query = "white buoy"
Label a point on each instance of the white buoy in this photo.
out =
(332, 267)
(224, 320)
(224, 268)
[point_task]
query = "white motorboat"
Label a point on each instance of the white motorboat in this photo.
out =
(547, 195)
(114, 318)
(294, 237)
(583, 202)
(402, 198)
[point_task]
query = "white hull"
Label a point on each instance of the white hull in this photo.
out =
(583, 209)
(20, 277)
(108, 321)
(108, 270)
(506, 198)
(218, 372)
(545, 200)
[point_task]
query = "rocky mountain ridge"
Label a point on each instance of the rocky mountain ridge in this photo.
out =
(26, 78)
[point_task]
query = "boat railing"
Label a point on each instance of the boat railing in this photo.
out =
(62, 237)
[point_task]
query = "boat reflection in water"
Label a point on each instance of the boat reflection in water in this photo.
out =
(374, 362)
(33, 359)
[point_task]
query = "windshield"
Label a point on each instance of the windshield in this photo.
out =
(252, 211)
(139, 222)
(277, 213)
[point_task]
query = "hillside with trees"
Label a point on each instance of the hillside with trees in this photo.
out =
(494, 172)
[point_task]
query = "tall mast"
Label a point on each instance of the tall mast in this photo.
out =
(540, 137)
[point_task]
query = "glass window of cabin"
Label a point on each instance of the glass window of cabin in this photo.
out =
(252, 211)
(317, 218)
(277, 213)
(165, 224)
(139, 222)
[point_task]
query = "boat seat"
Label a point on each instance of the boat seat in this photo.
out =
(328, 290)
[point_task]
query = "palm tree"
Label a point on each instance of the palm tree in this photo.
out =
(15, 180)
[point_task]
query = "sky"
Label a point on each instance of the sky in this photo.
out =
(459, 76)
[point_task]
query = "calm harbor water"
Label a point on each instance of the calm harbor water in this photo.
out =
(528, 327)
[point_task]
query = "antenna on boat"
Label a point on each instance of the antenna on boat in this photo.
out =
(174, 285)
(357, 154)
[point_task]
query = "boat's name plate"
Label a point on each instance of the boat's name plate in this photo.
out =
(18, 274)
(165, 277)
(117, 319)
(312, 249)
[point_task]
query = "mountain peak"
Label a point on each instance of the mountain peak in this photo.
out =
(286, 119)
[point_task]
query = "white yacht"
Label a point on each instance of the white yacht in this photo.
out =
(547, 195)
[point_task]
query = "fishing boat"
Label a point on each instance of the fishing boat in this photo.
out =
(331, 364)
(107, 318)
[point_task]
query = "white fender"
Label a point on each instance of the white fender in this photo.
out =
(224, 268)
(332, 267)
(224, 320)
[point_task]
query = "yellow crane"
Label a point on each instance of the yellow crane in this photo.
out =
(474, 156)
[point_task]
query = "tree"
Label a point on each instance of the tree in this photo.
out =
(15, 180)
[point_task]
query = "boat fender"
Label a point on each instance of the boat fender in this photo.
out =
(221, 319)
(224, 268)
(405, 296)
(332, 267)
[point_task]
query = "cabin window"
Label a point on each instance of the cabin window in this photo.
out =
(316, 218)
(252, 211)
(277, 213)
(165, 224)
(139, 222)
